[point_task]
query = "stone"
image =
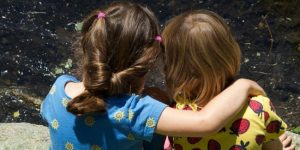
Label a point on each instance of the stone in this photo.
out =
(23, 136)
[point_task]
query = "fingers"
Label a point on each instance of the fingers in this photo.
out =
(258, 90)
(254, 88)
(282, 137)
(286, 141)
(292, 147)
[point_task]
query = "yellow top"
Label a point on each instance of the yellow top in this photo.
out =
(255, 124)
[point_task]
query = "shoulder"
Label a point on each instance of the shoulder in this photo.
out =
(56, 100)
(260, 98)
(57, 89)
(65, 78)
(261, 102)
(274, 124)
(61, 81)
(263, 107)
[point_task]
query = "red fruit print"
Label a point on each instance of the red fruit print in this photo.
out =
(193, 140)
(260, 139)
(256, 106)
(240, 126)
(242, 146)
(274, 126)
(213, 145)
(178, 147)
(266, 116)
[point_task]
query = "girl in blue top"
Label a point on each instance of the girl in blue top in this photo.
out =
(105, 111)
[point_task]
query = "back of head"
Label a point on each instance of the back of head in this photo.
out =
(118, 49)
(201, 55)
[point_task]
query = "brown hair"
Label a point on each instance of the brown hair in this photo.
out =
(201, 56)
(118, 50)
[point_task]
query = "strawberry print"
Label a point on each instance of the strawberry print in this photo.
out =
(193, 140)
(260, 139)
(240, 126)
(256, 106)
(213, 145)
(242, 146)
(274, 126)
(266, 116)
(178, 147)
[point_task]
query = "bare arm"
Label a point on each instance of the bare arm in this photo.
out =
(213, 116)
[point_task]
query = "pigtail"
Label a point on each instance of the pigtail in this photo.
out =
(96, 73)
(122, 80)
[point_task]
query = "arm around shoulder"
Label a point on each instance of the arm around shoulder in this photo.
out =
(212, 117)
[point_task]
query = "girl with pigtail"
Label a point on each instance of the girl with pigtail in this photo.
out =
(106, 110)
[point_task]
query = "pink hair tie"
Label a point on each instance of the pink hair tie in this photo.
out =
(101, 15)
(158, 38)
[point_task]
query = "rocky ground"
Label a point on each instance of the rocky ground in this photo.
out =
(17, 136)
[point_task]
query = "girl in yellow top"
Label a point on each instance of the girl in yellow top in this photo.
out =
(201, 59)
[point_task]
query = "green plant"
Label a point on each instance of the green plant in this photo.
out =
(296, 130)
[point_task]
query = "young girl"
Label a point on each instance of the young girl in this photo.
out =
(106, 110)
(202, 59)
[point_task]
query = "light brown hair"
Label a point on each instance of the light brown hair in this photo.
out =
(118, 50)
(201, 56)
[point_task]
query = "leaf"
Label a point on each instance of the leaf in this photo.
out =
(58, 70)
(16, 114)
(296, 130)
(68, 64)
(78, 26)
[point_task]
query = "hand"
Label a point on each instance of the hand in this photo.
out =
(253, 88)
(286, 141)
